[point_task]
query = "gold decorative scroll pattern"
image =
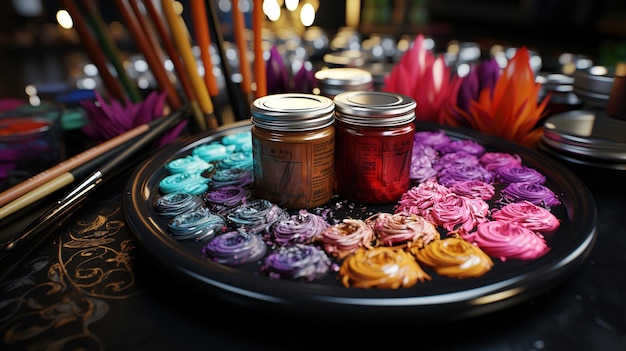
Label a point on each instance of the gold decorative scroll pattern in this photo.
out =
(55, 302)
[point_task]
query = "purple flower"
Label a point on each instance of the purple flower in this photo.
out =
(110, 119)
(483, 76)
(277, 73)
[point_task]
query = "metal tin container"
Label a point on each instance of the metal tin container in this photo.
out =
(586, 137)
(332, 81)
(293, 147)
(374, 144)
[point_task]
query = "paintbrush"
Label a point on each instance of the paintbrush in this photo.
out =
(79, 193)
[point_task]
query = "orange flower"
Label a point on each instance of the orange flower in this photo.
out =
(510, 110)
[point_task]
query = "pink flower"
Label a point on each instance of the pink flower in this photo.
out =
(426, 78)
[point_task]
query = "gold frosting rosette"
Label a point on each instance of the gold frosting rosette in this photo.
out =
(381, 267)
(454, 257)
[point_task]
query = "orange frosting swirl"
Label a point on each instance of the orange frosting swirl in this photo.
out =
(381, 267)
(454, 257)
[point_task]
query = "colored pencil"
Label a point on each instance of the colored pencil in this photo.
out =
(143, 43)
(241, 109)
(93, 50)
(179, 67)
(203, 38)
(110, 49)
(181, 38)
(239, 32)
(259, 61)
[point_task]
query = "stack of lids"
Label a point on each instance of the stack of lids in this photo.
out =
(586, 137)
(594, 137)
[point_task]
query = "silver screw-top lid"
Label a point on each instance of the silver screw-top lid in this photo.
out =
(292, 112)
(332, 81)
(374, 108)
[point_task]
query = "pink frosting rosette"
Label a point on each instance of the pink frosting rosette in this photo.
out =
(403, 228)
(507, 240)
(537, 194)
(342, 239)
(458, 213)
(474, 188)
(529, 215)
(494, 160)
(417, 199)
(519, 174)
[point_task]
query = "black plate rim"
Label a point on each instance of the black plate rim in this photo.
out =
(257, 292)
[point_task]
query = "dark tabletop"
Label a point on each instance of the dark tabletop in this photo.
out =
(88, 286)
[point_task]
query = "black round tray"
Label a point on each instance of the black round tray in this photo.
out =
(441, 299)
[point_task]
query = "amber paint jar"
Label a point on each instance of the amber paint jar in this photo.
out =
(373, 147)
(293, 149)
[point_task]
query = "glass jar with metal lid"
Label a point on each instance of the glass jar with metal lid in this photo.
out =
(332, 81)
(293, 149)
(374, 144)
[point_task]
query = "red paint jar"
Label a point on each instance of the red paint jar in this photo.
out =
(373, 144)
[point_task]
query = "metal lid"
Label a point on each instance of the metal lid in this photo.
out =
(593, 85)
(333, 81)
(374, 108)
(292, 112)
(587, 134)
(596, 79)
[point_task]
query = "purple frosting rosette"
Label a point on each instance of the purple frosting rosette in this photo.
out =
(470, 146)
(235, 248)
(231, 176)
(297, 261)
(254, 216)
(519, 174)
(299, 228)
(226, 197)
(434, 139)
(536, 194)
(459, 172)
